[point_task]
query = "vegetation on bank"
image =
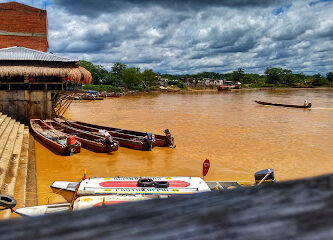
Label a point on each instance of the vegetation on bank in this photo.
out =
(273, 77)
(121, 77)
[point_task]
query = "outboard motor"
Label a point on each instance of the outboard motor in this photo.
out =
(169, 138)
(264, 176)
(113, 145)
(149, 142)
(71, 142)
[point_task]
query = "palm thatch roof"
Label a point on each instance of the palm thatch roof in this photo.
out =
(24, 62)
(76, 74)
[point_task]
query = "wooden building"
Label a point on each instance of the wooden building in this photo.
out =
(27, 69)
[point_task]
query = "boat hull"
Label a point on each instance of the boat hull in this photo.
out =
(283, 105)
(88, 140)
(129, 185)
(64, 150)
(125, 140)
(160, 140)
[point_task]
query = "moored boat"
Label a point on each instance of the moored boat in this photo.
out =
(78, 204)
(65, 144)
(224, 88)
(94, 192)
(145, 143)
(88, 97)
(134, 185)
(284, 105)
(88, 140)
(166, 140)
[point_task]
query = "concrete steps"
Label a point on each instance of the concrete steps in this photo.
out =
(14, 138)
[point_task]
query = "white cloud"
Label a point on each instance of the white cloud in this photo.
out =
(192, 36)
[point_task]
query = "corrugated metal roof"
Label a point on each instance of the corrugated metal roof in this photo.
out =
(27, 54)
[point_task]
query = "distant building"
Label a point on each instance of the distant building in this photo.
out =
(162, 81)
(24, 26)
(211, 82)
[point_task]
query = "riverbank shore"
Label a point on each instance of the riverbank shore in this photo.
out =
(172, 89)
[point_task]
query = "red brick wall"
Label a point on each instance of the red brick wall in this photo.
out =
(19, 20)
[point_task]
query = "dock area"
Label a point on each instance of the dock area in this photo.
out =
(15, 176)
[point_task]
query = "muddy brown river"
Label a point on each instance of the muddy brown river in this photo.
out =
(237, 135)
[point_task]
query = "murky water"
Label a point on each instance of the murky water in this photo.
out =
(236, 134)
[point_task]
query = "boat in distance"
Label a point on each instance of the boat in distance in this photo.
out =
(125, 140)
(166, 140)
(95, 142)
(64, 144)
(284, 105)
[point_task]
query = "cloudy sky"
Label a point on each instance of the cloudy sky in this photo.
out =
(189, 36)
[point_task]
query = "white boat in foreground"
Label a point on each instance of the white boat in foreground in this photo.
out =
(135, 185)
(79, 204)
(94, 192)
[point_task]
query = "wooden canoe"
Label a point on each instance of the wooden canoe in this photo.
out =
(283, 105)
(166, 140)
(125, 140)
(54, 139)
(89, 140)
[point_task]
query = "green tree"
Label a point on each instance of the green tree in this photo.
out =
(132, 78)
(238, 75)
(274, 75)
(319, 80)
(98, 73)
(118, 67)
(149, 79)
(329, 76)
(114, 80)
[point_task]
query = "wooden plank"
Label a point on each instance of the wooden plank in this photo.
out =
(21, 181)
(14, 161)
(4, 124)
(7, 153)
(5, 131)
(288, 210)
(31, 190)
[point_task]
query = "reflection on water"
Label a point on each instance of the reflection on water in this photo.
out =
(237, 135)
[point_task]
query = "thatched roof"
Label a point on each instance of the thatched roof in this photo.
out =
(77, 73)
(25, 62)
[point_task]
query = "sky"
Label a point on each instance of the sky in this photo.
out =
(191, 36)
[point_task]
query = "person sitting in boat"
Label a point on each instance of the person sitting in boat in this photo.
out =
(306, 103)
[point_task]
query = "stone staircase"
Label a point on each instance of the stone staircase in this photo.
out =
(14, 145)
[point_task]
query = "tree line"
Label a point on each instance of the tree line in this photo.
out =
(273, 77)
(133, 78)
(121, 76)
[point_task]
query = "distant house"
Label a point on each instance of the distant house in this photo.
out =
(162, 81)
(212, 82)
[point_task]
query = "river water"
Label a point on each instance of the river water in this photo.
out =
(237, 135)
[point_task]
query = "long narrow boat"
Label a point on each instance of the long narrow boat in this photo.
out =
(63, 143)
(160, 140)
(88, 140)
(125, 140)
(284, 105)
